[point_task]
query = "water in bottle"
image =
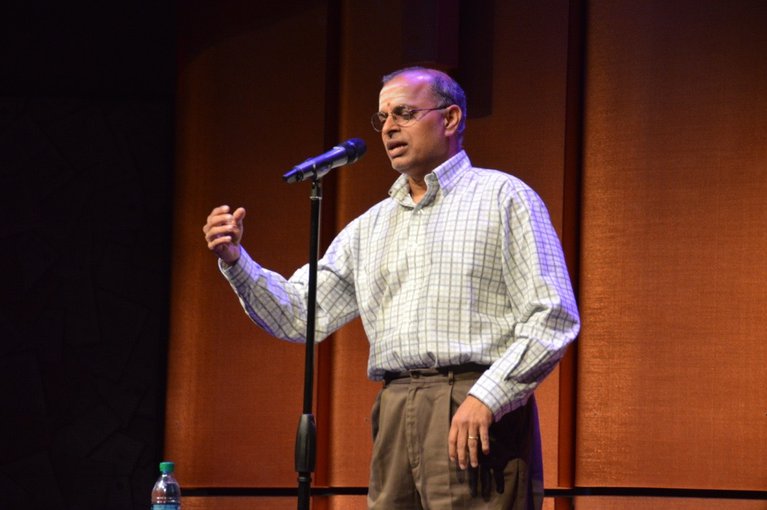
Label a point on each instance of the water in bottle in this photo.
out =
(166, 494)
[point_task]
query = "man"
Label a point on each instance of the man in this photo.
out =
(461, 285)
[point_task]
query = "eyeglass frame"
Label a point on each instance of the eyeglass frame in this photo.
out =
(376, 117)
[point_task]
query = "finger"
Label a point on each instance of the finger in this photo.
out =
(216, 220)
(463, 457)
(220, 243)
(221, 209)
(484, 439)
(218, 211)
(219, 231)
(234, 222)
(457, 444)
(239, 214)
(473, 444)
(452, 447)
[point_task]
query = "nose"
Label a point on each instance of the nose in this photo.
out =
(389, 125)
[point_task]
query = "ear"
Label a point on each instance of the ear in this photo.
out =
(453, 116)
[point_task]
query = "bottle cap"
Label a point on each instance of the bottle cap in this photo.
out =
(166, 467)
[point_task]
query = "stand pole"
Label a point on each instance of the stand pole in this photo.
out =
(306, 436)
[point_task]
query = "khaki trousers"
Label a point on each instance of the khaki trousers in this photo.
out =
(410, 467)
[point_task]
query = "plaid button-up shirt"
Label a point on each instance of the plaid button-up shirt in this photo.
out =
(472, 273)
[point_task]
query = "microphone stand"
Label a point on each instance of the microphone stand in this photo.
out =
(306, 436)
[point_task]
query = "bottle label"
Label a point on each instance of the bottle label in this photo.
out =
(166, 506)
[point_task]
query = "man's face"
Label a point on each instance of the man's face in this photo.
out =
(416, 149)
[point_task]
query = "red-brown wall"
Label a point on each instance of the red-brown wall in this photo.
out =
(661, 221)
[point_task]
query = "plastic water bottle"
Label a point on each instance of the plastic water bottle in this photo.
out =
(166, 494)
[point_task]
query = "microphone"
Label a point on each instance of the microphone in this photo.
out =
(316, 167)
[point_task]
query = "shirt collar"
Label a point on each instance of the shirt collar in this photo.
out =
(444, 178)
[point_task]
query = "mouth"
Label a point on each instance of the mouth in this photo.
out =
(395, 148)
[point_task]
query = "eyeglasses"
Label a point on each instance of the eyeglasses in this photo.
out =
(402, 116)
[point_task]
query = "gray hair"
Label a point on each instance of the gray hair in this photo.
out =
(445, 89)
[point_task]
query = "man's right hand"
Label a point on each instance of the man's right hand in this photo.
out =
(223, 233)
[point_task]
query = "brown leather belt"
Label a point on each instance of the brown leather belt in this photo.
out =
(415, 373)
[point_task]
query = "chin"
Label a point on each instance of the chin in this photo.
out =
(398, 166)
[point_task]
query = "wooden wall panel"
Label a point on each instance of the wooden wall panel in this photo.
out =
(226, 94)
(251, 105)
(524, 135)
(672, 382)
(364, 60)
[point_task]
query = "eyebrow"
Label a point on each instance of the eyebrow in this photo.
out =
(400, 106)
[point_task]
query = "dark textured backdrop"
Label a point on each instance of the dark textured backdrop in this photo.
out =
(86, 140)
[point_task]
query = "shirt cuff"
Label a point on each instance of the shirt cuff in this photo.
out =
(493, 390)
(239, 271)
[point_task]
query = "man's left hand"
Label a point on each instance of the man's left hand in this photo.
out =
(469, 432)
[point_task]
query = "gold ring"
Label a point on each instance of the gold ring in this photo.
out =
(473, 437)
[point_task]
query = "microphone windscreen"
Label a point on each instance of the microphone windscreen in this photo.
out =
(355, 149)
